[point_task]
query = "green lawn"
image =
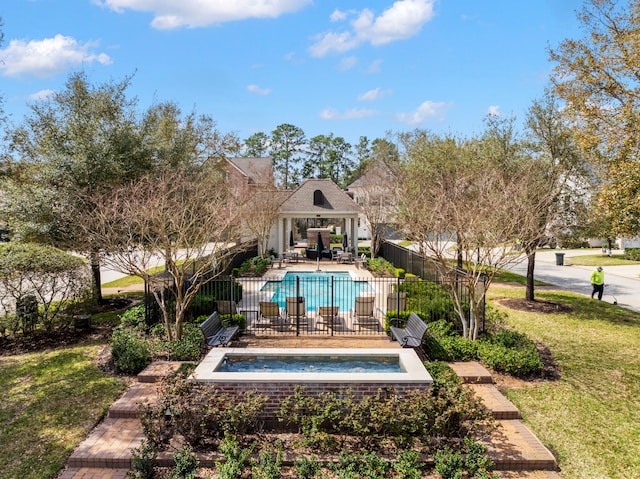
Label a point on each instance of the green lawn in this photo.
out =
(598, 260)
(590, 417)
(50, 401)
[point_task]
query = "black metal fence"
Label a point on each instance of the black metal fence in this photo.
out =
(425, 268)
(336, 301)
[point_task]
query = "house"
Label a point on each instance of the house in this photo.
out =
(373, 194)
(314, 199)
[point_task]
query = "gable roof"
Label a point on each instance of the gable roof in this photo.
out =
(257, 170)
(334, 200)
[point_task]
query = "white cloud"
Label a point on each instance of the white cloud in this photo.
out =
(494, 110)
(169, 14)
(428, 109)
(375, 66)
(347, 63)
(373, 95)
(257, 90)
(402, 20)
(352, 114)
(41, 95)
(338, 15)
(43, 58)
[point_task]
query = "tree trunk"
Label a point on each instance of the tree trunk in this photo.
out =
(97, 282)
(531, 263)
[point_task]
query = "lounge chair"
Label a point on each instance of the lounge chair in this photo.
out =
(296, 310)
(226, 307)
(363, 312)
(271, 313)
(397, 301)
(328, 316)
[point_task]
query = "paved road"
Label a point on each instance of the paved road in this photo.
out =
(623, 282)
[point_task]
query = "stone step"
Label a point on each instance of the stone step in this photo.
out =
(127, 405)
(93, 473)
(472, 372)
(109, 445)
(158, 370)
(495, 401)
(513, 447)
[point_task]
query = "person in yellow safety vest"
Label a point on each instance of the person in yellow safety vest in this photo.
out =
(597, 281)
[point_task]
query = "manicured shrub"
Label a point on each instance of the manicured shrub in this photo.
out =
(381, 267)
(143, 461)
(510, 352)
(201, 413)
(235, 456)
(268, 464)
(632, 254)
(234, 320)
(186, 464)
(129, 350)
(307, 467)
(254, 266)
(134, 318)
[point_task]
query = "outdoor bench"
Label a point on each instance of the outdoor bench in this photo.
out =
(215, 334)
(411, 335)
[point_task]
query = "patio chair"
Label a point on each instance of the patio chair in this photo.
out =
(363, 313)
(271, 313)
(296, 310)
(360, 260)
(226, 307)
(328, 316)
(397, 301)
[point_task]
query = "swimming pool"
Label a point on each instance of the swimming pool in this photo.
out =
(319, 289)
(311, 364)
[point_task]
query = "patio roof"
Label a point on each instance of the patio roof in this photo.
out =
(335, 202)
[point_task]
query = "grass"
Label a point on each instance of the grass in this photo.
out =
(131, 280)
(50, 401)
(590, 417)
(598, 260)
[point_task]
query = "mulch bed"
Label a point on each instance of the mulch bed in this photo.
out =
(543, 307)
(42, 340)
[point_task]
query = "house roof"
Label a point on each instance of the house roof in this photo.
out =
(330, 201)
(257, 170)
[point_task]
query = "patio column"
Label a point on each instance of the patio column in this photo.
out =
(354, 234)
(287, 232)
(280, 234)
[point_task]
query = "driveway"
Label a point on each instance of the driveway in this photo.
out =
(623, 282)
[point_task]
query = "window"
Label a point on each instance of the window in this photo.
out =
(318, 198)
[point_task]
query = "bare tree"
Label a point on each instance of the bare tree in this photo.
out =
(458, 198)
(181, 217)
(376, 194)
(260, 206)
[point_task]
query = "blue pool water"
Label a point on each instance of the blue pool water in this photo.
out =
(311, 364)
(319, 289)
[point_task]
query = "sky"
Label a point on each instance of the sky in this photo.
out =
(350, 68)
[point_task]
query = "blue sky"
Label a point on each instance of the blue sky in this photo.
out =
(350, 68)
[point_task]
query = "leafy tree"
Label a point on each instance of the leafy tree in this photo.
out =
(53, 277)
(257, 145)
(551, 143)
(597, 77)
(328, 157)
(287, 142)
(78, 142)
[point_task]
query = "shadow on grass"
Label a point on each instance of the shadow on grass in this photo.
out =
(589, 309)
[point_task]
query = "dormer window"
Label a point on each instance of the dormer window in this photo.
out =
(318, 198)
